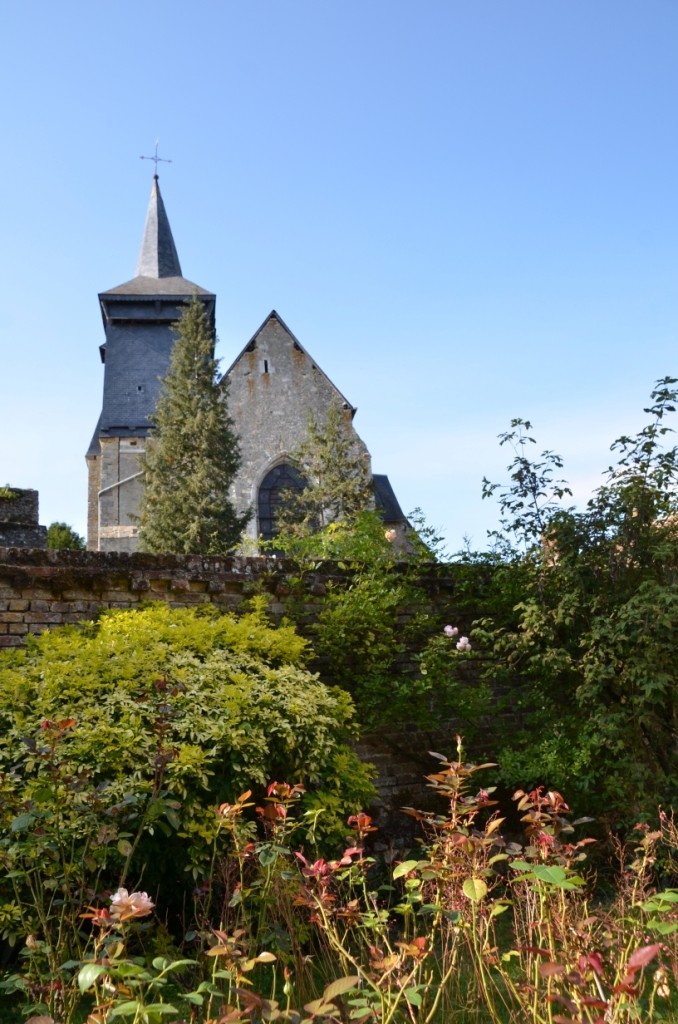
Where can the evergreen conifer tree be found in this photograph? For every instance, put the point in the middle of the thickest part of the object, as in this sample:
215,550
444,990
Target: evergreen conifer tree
337,471
193,453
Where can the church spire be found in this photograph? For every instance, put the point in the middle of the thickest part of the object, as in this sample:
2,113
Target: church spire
158,255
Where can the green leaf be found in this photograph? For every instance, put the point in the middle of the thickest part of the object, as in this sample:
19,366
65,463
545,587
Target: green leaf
173,818
267,856
520,865
89,974
22,822
124,847
126,1009
169,966
667,896
341,985
475,889
404,868
655,924
413,996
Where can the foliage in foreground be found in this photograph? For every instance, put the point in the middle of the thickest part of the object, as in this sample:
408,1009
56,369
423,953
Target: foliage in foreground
118,741
467,927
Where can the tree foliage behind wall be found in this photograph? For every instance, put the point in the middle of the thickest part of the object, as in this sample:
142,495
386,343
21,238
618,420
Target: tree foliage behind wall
336,468
62,537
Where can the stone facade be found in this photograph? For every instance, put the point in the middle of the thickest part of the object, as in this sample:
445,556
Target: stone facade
19,526
273,386
116,477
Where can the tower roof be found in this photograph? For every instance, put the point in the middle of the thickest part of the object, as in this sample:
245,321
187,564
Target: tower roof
158,269
158,254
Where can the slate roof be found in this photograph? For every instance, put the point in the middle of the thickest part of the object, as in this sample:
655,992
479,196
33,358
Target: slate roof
158,254
158,267
386,500
171,287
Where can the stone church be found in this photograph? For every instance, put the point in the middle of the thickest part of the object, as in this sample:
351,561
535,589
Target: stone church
273,386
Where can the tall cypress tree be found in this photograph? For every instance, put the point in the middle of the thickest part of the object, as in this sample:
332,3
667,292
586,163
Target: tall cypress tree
193,452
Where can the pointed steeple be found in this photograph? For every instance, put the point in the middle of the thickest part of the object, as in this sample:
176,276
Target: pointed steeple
158,255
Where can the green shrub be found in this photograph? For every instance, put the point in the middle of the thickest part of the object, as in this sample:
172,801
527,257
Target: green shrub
119,740
588,652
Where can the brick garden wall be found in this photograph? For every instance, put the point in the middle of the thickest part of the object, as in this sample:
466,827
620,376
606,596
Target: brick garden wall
40,589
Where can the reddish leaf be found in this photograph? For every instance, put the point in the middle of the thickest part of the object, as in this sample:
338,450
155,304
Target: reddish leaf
625,987
547,969
594,961
567,1002
642,956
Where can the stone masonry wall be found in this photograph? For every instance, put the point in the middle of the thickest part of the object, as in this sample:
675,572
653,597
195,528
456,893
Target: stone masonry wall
19,524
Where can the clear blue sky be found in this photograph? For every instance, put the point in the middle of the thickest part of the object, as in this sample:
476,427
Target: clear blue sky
466,212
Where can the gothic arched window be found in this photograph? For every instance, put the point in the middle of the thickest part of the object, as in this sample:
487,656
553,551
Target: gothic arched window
283,477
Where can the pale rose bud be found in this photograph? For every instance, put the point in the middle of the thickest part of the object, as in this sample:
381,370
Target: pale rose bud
463,644
450,631
390,535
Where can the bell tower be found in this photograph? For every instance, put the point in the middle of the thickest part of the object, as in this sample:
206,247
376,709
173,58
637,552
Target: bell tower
137,318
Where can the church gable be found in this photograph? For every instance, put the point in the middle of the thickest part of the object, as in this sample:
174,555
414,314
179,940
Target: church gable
274,352
273,387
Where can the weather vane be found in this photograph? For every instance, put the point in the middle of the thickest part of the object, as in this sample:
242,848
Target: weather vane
156,159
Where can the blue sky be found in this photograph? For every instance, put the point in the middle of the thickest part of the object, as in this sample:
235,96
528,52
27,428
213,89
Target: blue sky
466,212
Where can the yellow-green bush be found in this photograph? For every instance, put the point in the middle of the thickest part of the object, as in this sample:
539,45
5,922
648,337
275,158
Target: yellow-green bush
119,740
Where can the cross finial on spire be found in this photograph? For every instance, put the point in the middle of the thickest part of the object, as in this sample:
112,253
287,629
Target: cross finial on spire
156,159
